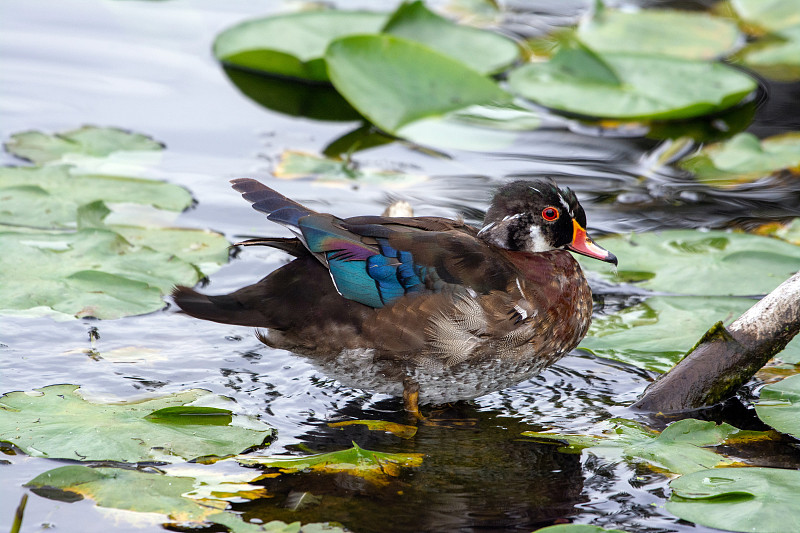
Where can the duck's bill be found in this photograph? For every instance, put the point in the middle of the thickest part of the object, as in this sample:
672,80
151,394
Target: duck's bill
584,245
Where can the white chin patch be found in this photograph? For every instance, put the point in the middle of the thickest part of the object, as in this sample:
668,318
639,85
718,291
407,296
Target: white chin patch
538,242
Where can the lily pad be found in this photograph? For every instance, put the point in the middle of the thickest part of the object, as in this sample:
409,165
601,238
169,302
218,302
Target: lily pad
680,448
60,191
577,528
146,492
483,51
629,86
744,159
656,333
758,500
769,15
779,405
58,423
683,34
293,44
39,147
394,82
294,164
376,467
687,262
777,56
400,430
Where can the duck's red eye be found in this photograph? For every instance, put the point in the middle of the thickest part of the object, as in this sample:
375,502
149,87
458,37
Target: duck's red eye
550,214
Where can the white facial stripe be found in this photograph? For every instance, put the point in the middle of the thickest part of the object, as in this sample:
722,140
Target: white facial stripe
538,242
512,217
487,227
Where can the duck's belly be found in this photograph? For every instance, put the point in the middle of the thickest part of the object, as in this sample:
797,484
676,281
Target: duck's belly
359,369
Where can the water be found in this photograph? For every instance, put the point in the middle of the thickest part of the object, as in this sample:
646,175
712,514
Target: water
147,66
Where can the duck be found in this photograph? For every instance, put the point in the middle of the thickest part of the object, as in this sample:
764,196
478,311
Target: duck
428,308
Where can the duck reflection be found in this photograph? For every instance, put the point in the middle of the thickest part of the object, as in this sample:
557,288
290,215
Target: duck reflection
424,307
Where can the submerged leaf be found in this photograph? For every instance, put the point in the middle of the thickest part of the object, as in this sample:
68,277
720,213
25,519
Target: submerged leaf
391,80
759,500
294,164
679,448
744,159
57,422
401,430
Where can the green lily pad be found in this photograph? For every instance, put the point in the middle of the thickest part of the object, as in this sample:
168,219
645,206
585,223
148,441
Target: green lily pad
629,86
394,82
777,57
687,262
769,15
294,164
577,528
293,44
376,467
744,159
779,405
483,51
58,423
683,34
147,492
655,334
680,448
758,500
39,147
68,190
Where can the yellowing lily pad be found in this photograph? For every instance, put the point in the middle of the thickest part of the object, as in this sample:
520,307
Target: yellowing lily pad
744,159
758,500
58,423
376,467
680,448
174,497
400,430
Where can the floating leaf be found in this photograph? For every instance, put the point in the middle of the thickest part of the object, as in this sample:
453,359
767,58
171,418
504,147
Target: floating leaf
39,147
92,272
394,82
779,405
744,159
293,97
146,492
401,430
576,528
679,448
758,500
375,467
777,56
58,423
294,164
483,51
60,192
293,44
684,34
649,86
770,15
688,262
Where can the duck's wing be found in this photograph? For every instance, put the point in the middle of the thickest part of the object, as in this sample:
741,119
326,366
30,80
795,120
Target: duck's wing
378,260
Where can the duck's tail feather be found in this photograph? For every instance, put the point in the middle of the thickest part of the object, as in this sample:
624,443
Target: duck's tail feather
278,208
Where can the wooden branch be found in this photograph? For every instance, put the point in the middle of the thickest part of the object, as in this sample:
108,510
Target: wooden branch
725,359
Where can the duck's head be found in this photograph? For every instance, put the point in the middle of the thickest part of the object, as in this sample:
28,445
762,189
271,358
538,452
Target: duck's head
538,216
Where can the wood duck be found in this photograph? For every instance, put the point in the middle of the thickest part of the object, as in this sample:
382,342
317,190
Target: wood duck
426,307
